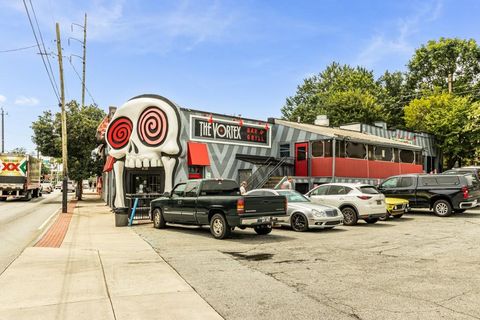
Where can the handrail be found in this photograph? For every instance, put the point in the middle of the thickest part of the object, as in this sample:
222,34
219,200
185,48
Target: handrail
277,166
277,186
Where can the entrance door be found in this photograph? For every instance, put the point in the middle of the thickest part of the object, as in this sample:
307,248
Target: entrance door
301,159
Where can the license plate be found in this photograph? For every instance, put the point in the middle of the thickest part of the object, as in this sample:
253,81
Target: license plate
263,219
379,201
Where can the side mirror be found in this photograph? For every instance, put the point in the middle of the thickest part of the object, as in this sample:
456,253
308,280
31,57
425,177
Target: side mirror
166,194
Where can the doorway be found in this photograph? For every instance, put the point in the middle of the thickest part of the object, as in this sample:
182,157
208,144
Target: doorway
301,159
151,180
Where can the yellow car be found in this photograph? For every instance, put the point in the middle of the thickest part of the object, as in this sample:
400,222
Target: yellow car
395,207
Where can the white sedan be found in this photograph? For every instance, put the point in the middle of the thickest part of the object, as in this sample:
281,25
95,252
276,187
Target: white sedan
355,200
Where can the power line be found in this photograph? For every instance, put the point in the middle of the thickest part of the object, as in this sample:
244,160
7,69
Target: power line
80,78
43,43
55,89
18,49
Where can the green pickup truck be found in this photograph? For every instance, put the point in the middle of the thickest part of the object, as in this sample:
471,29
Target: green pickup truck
217,203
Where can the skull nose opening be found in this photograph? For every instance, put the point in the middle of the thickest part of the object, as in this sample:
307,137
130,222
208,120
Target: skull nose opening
132,147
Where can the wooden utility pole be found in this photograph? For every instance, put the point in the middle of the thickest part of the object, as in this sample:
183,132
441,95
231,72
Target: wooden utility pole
3,131
450,80
84,58
64,123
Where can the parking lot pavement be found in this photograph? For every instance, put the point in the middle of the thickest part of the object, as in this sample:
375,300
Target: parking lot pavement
417,267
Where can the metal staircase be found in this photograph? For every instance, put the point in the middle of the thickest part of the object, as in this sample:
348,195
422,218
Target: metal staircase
271,169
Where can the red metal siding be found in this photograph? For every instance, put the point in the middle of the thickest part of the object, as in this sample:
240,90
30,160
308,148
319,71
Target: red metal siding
360,168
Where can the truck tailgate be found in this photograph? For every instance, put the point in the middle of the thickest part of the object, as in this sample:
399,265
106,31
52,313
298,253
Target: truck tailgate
265,206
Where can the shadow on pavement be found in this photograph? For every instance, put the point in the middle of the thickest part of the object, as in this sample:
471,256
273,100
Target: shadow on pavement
244,236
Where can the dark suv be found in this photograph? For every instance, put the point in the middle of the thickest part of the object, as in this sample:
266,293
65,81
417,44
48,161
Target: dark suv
444,194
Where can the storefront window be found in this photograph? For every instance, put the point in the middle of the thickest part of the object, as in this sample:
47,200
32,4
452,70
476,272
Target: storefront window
328,148
340,149
407,156
356,150
147,183
301,153
396,155
285,150
317,149
383,153
418,157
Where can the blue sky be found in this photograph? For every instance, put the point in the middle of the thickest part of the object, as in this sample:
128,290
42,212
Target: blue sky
234,57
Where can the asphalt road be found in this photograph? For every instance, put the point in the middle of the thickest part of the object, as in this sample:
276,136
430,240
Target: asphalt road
417,267
22,222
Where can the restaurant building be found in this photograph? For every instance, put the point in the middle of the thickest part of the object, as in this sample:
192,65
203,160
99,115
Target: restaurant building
152,144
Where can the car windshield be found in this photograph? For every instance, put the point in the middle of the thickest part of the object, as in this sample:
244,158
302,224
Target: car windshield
293,196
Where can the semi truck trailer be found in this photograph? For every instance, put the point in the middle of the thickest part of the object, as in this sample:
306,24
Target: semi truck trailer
19,177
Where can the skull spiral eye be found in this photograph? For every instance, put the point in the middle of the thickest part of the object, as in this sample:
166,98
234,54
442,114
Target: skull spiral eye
119,132
152,126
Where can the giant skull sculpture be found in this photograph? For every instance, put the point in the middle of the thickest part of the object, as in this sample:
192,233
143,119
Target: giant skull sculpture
144,132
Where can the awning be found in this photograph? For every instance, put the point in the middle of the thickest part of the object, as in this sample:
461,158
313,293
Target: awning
109,164
197,154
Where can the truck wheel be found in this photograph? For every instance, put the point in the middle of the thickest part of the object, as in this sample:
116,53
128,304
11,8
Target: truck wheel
219,226
263,229
28,196
442,208
371,220
158,220
299,222
349,216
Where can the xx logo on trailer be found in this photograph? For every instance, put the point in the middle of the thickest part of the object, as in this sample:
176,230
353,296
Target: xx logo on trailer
14,167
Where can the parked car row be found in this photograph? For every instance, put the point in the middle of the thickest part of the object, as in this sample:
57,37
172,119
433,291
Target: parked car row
218,203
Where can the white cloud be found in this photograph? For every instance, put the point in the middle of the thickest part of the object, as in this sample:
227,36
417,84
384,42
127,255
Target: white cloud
382,46
2,98
26,101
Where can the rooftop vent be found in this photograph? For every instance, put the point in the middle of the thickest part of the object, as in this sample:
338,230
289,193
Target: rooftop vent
322,120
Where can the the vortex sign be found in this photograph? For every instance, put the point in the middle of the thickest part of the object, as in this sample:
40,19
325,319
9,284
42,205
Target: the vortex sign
229,132
119,132
152,127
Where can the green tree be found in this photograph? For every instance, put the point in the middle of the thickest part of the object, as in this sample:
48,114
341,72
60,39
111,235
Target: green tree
82,123
447,117
433,63
394,97
345,94
45,170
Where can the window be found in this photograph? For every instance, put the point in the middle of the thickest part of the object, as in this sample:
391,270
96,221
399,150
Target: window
369,190
301,153
406,182
338,190
178,191
356,150
284,150
317,149
191,189
418,157
440,180
340,149
328,148
220,188
390,183
407,156
396,155
320,191
383,153
293,196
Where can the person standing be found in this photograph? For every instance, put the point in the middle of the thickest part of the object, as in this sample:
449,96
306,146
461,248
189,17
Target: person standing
288,184
243,187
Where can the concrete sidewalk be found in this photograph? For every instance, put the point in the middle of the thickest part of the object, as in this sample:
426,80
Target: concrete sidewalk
99,272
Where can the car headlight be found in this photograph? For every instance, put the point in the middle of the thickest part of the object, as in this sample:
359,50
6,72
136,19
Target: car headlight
318,214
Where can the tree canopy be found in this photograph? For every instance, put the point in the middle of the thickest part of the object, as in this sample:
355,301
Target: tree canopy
352,94
433,63
340,92
82,123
